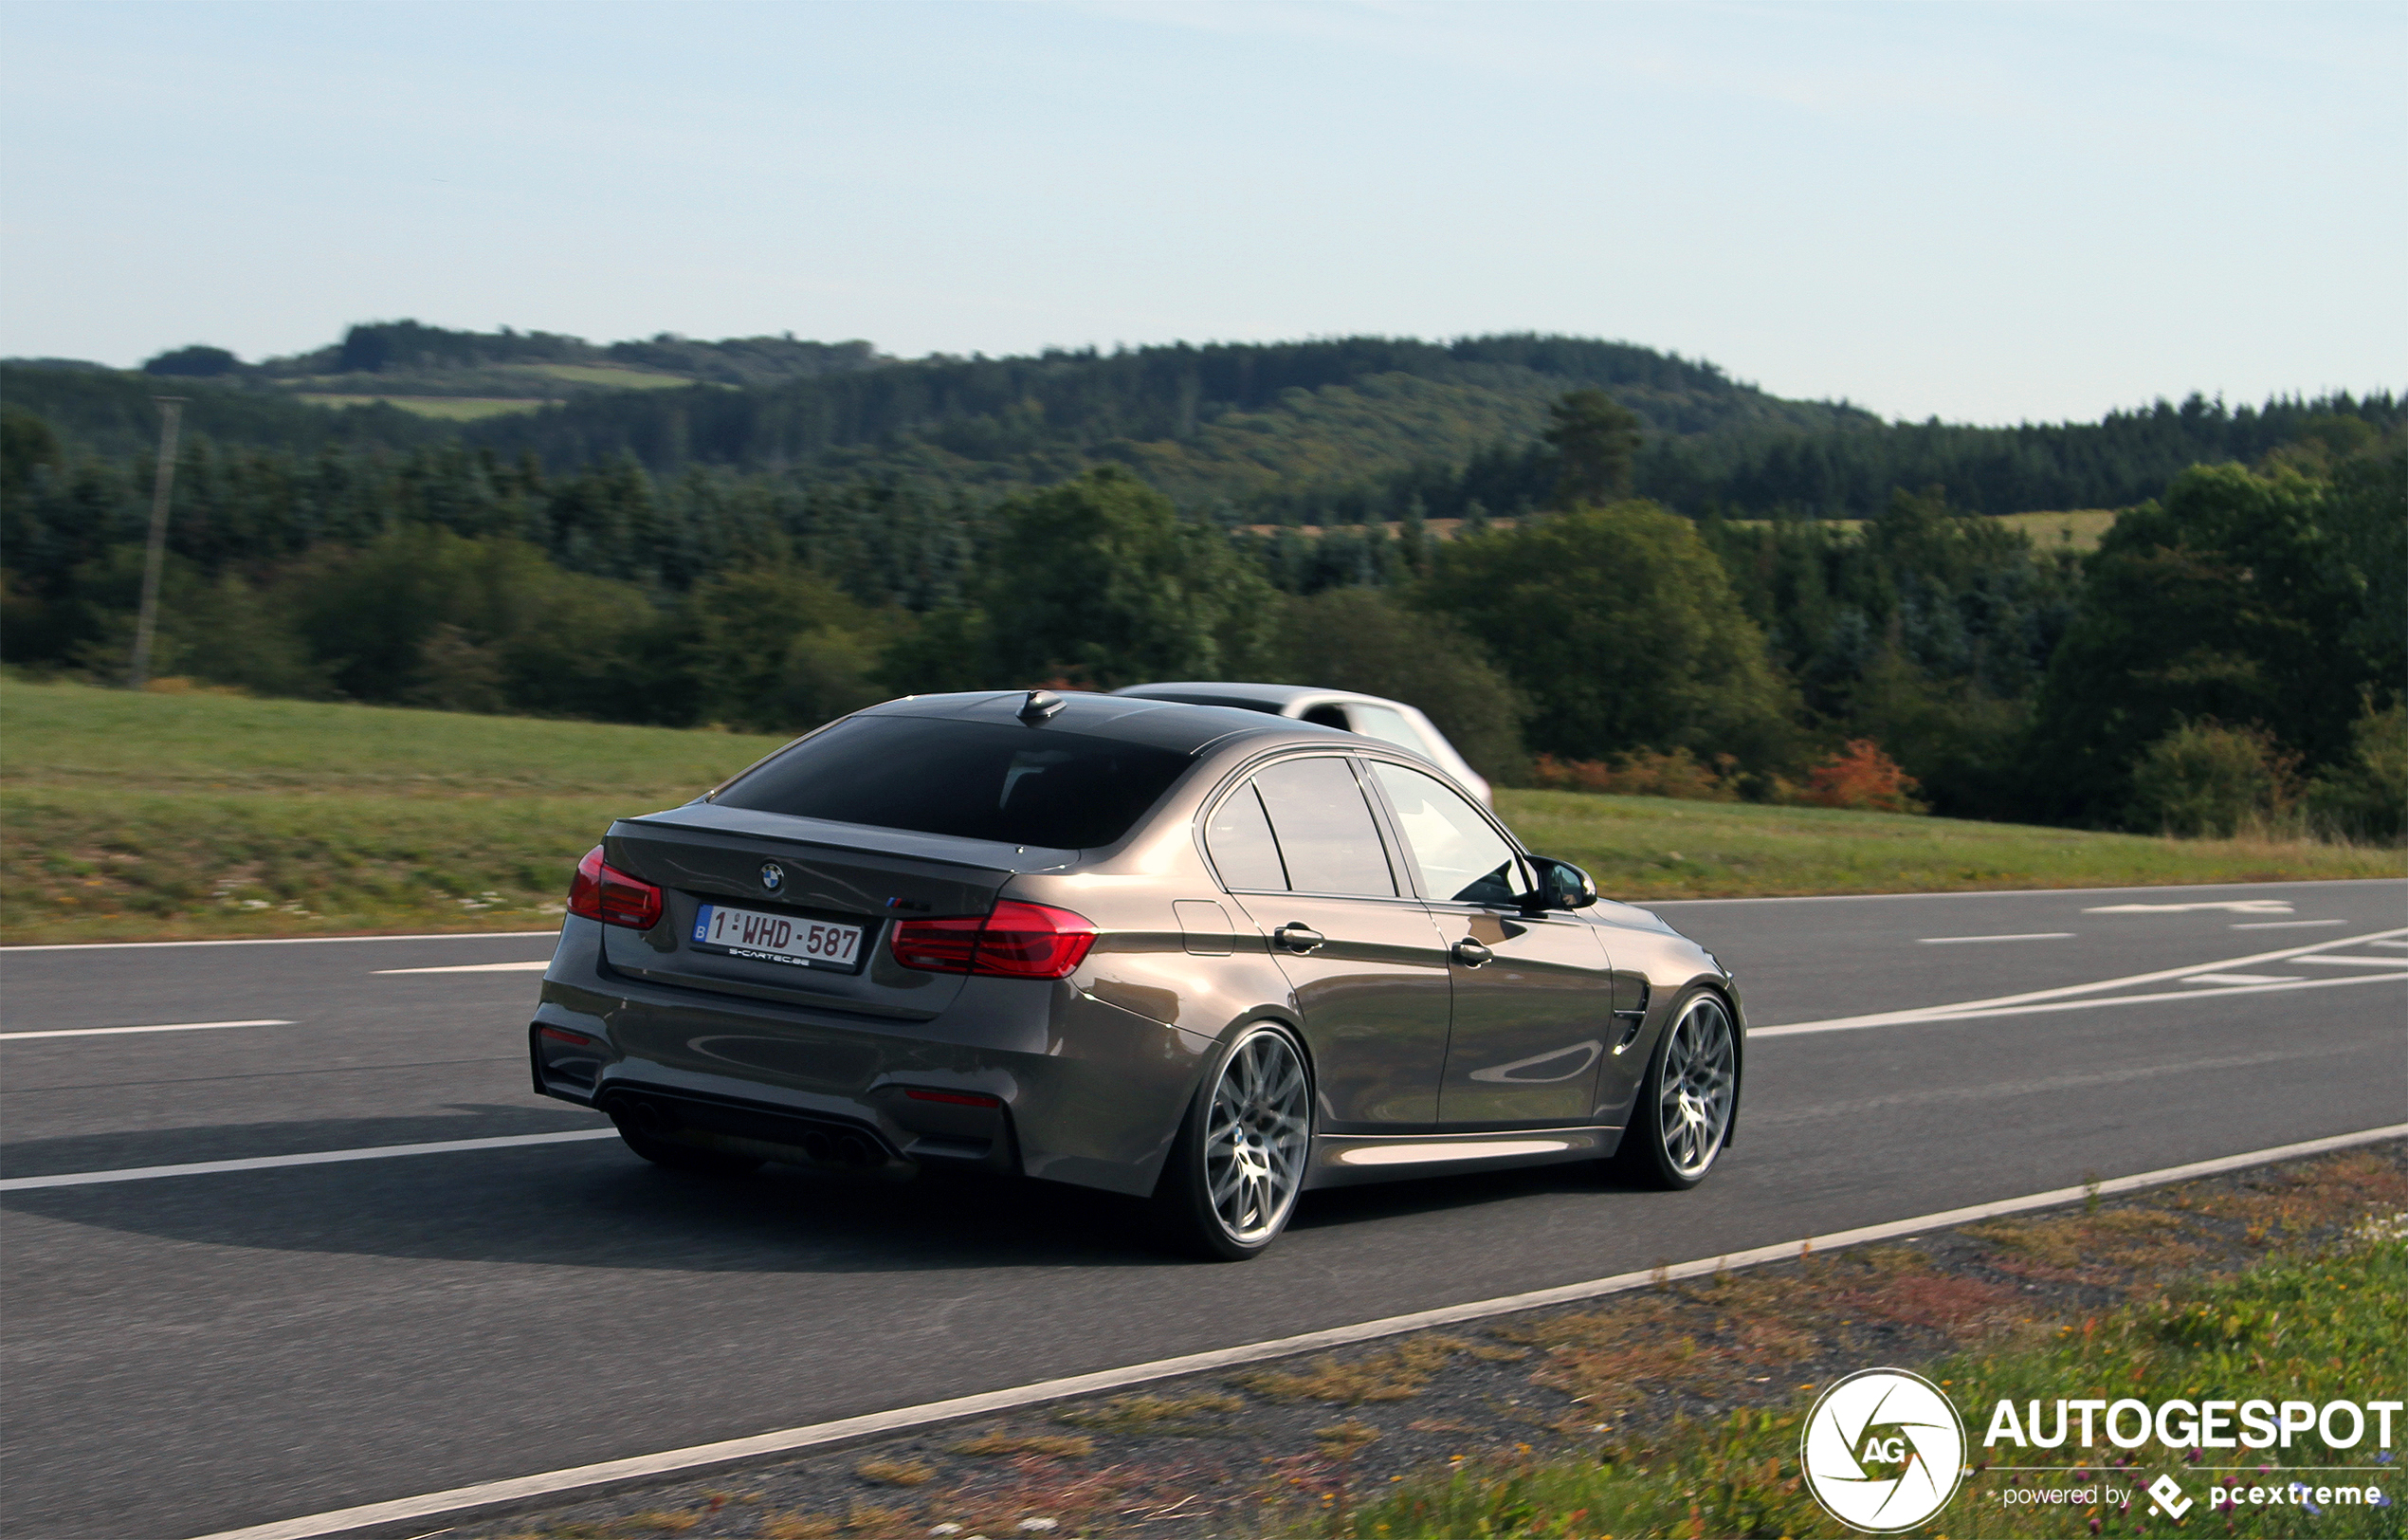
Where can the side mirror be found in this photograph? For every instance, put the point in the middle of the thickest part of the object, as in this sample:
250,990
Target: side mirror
1563,886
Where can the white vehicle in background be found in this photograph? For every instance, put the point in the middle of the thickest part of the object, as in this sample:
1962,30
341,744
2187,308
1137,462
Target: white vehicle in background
1391,722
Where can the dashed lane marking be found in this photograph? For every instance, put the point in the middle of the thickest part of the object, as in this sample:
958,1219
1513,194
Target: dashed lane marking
165,1026
536,967
322,1157
2037,935
274,940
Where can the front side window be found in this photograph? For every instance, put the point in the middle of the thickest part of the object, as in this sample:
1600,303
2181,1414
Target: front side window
1014,784
1464,860
1326,836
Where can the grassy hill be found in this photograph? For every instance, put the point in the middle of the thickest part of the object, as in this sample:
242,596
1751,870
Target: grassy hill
184,816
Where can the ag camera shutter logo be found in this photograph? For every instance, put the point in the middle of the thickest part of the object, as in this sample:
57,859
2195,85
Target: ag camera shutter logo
1884,1450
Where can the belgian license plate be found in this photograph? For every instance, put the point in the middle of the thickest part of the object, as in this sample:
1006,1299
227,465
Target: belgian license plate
778,938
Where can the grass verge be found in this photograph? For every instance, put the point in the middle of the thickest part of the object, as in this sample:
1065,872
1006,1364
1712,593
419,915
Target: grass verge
199,815
166,817
1643,847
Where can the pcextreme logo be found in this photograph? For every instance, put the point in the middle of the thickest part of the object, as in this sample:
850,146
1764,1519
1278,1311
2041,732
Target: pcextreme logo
1884,1450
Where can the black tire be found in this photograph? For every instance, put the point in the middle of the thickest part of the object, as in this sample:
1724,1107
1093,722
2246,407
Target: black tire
674,1156
1677,1131
1206,1204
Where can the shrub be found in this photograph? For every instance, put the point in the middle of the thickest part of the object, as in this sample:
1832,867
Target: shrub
2206,779
2367,795
1859,775
1645,773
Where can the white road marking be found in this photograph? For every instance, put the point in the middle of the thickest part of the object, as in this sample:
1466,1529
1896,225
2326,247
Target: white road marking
2027,892
536,967
1943,1014
2239,906
2244,978
2290,924
462,1501
2358,962
1952,941
112,1032
322,1157
1990,1006
2403,945
272,941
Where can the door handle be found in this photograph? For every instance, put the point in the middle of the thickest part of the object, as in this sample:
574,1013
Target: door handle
1297,938
1471,953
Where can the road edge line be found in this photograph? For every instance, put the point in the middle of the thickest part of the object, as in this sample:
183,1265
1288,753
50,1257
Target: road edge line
496,1497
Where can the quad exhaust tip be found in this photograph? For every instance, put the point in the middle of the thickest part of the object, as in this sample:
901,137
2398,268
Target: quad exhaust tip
651,1118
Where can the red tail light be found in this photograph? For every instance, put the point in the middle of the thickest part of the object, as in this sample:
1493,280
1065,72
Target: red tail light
605,894
1017,940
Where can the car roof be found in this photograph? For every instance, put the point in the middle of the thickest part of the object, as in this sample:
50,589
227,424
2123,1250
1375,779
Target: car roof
1178,725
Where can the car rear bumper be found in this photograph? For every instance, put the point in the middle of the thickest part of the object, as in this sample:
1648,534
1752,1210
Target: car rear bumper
1082,1091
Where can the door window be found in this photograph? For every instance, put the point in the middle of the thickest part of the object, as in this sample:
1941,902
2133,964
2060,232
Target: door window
1326,836
1464,860
1239,837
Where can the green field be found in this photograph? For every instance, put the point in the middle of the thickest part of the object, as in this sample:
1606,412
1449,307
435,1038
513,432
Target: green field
2074,529
613,376
130,816
448,408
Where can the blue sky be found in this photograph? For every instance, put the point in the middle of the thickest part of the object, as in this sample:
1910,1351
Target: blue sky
1982,212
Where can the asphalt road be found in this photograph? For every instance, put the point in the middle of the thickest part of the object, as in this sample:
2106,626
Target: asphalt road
199,1352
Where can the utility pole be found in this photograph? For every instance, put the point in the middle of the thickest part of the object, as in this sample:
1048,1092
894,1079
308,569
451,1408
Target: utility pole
170,412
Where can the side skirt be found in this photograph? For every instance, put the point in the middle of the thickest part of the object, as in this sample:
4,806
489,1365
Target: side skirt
1343,1158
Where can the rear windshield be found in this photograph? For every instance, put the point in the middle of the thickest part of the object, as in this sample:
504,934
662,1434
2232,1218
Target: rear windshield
976,780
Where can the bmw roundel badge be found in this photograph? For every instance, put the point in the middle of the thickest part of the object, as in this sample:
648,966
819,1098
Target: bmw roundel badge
773,875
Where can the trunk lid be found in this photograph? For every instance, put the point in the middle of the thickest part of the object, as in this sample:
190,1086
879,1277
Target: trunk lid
829,874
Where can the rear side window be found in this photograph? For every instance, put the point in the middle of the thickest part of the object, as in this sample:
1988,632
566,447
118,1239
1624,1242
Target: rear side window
1326,836
974,780
1239,837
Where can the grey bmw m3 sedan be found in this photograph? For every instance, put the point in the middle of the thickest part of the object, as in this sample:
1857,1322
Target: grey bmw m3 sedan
1190,952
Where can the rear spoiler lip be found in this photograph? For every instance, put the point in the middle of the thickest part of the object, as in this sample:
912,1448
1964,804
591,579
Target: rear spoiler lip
855,839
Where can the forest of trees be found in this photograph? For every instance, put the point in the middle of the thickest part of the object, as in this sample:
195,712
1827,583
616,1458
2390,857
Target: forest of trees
2244,628
1340,430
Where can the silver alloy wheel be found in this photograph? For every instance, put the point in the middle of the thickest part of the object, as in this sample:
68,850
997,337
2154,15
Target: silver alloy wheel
1694,1108
1255,1137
